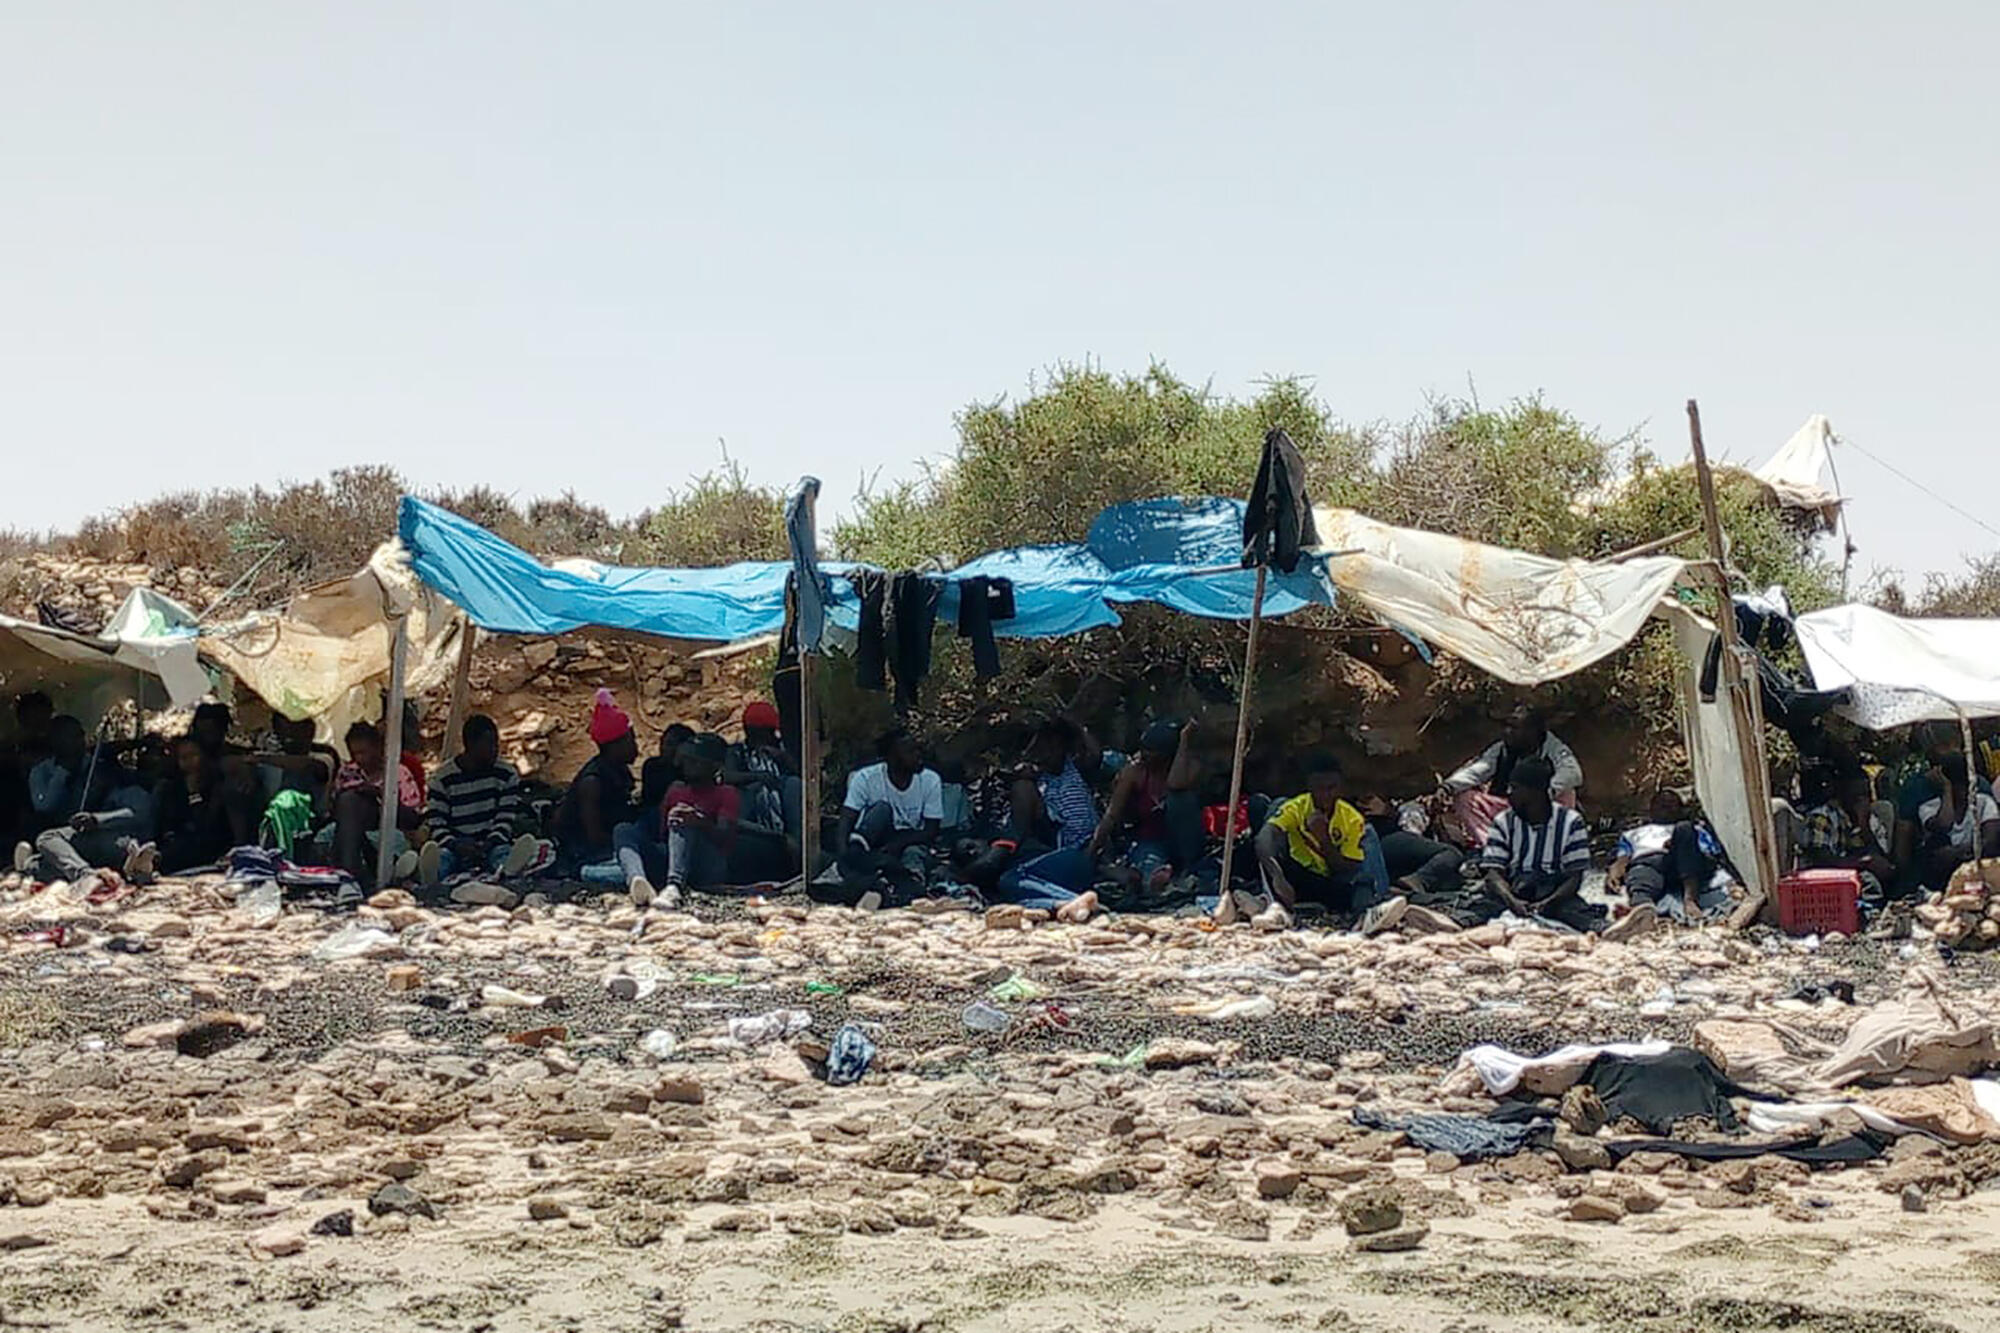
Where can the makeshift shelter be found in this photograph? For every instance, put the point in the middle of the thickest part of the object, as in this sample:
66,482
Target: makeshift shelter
146,654
1903,671
1530,619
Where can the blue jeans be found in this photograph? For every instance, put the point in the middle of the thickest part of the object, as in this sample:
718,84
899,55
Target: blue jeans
641,855
695,860
1048,881
496,857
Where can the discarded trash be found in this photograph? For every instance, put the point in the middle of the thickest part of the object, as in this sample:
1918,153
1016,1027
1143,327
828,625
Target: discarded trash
660,1044
264,902
983,1017
605,872
503,997
824,988
716,979
768,1027
56,935
1015,989
351,941
638,979
129,944
536,1038
849,1057
1132,1059
1220,1011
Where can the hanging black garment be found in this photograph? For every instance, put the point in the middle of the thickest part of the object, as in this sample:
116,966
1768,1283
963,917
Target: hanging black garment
871,650
1277,520
786,678
981,601
913,602
1658,1090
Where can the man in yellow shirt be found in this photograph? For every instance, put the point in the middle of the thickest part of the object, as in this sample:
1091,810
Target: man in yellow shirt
1316,847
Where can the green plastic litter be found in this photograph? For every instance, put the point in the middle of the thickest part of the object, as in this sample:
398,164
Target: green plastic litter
824,988
1016,989
1132,1059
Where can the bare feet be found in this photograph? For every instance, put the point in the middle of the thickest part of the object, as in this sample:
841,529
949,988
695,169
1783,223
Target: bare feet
1078,909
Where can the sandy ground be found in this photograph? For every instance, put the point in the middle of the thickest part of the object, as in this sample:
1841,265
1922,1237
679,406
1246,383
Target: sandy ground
200,1135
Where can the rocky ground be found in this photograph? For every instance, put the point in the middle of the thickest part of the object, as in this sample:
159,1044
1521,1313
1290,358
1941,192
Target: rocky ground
212,1121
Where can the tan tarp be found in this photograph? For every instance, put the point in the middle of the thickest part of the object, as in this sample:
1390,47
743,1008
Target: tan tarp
325,656
1919,1037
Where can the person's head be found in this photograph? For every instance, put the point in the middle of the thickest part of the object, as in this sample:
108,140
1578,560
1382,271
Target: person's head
672,739
211,726
1528,791
295,735
67,741
1956,773
479,741
760,723
701,759
1159,742
898,749
611,728
364,747
33,712
1053,745
1938,740
1667,807
190,760
1325,780
1526,729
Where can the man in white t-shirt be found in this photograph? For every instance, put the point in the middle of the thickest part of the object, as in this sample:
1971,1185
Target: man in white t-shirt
889,821
1946,824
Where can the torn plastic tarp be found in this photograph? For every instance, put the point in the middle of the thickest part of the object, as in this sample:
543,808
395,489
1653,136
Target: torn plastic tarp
1525,618
1903,671
1180,553
147,653
1794,472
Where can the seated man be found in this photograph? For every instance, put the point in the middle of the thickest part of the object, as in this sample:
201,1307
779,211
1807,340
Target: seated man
1053,820
1948,824
600,797
888,824
1536,854
91,814
34,712
1154,796
475,812
191,819
1670,864
1317,848
296,762
1921,780
1480,790
231,763
762,770
700,821
1846,832
663,770
358,793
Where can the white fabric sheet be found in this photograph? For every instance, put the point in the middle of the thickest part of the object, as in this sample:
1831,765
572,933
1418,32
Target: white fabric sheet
1524,618
146,653
1501,1070
1903,671
1716,745
1794,472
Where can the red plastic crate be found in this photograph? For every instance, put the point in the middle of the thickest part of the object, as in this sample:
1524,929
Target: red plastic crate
1818,902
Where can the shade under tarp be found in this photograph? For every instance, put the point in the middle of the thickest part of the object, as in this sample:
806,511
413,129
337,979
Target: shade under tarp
1903,671
146,654
1525,618
1179,553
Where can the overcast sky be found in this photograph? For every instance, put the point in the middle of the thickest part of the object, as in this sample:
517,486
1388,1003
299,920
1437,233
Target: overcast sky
574,246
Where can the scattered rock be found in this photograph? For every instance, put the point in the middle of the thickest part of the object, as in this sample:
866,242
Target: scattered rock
279,1240
213,1032
335,1224
741,1220
1369,1211
1914,1200
578,1128
1581,1154
1279,1180
1596,1208
679,1089
22,1240
404,977
547,1210
395,1199
1392,1242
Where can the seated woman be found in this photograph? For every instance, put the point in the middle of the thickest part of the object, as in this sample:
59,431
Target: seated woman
358,793
1479,790
1154,797
1846,831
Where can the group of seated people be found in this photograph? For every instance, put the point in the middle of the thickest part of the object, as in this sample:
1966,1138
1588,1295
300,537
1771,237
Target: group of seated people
1064,826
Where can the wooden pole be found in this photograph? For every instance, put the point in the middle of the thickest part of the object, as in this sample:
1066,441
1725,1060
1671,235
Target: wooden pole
1971,782
1225,909
1744,699
392,752
461,688
809,764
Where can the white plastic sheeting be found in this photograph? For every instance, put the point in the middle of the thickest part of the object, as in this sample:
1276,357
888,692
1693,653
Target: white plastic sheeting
1525,618
326,655
1794,472
1903,671
147,653
1717,742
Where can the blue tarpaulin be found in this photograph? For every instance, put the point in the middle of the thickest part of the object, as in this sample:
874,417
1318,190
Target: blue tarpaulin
1167,551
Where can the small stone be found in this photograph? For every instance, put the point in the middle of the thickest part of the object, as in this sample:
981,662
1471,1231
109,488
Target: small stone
1583,1110
402,1168
745,1220
213,1032
235,1192
34,1194
1278,1180
335,1224
1177,1053
1441,1163
401,1201
680,1089
1393,1242
577,1128
404,977
1640,1198
181,1172
153,1034
1368,1211
1596,1208
1581,1154
204,1137
278,1240
173,928
547,1210
22,1240
1914,1200
486,895
1741,1177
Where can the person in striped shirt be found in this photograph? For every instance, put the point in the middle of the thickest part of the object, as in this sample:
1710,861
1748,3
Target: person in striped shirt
1536,853
475,812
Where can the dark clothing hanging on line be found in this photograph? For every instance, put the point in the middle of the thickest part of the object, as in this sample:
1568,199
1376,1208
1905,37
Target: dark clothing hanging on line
871,649
786,678
981,601
1277,520
913,602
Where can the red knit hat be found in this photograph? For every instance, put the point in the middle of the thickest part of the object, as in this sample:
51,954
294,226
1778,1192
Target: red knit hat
608,722
759,714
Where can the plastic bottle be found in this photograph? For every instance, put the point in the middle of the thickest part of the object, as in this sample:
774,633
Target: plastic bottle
980,1016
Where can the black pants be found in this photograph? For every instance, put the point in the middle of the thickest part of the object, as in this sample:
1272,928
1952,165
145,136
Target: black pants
1433,865
1335,892
1532,889
1672,873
